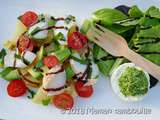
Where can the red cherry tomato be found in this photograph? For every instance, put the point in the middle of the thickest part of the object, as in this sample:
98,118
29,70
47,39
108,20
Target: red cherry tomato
83,91
24,43
16,88
77,40
63,101
50,61
29,18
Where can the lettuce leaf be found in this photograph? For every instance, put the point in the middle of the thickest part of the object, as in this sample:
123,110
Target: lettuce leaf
105,66
98,52
108,16
148,22
151,47
153,32
155,58
135,12
153,12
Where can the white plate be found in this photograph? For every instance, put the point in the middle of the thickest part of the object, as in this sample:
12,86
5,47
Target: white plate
103,98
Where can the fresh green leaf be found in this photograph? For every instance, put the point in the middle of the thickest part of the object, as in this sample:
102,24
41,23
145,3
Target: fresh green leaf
108,16
153,32
119,28
130,22
148,22
85,26
141,41
152,47
98,52
105,66
46,102
153,12
155,58
135,12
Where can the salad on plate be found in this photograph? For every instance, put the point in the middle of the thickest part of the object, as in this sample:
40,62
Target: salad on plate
51,60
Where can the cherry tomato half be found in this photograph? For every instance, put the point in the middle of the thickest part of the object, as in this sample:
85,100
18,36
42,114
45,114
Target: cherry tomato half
50,61
77,40
83,91
16,88
29,18
24,43
63,101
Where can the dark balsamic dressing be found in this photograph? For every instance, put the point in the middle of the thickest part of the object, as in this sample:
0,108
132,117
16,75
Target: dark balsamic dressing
55,89
59,71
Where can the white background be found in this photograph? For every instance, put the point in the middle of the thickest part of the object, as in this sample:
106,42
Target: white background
103,98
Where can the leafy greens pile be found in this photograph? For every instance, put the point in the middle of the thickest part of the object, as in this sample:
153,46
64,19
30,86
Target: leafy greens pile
140,29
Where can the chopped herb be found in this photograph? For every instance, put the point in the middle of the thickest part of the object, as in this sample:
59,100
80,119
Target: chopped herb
51,23
69,19
2,55
32,93
41,18
60,36
46,102
133,82
52,18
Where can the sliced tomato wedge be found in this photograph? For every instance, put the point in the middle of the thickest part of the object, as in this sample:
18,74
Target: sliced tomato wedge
63,101
29,18
24,43
82,90
16,88
77,40
50,61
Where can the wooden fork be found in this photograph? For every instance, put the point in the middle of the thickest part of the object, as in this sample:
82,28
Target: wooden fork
116,45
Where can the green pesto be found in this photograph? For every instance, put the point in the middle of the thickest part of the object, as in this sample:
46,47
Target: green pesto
133,82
